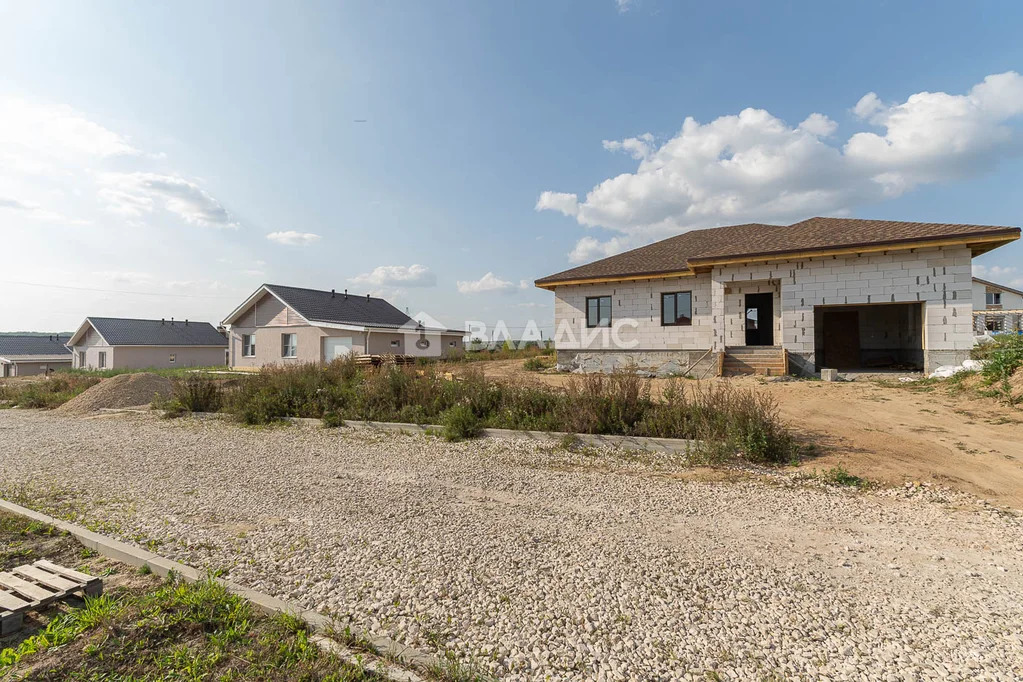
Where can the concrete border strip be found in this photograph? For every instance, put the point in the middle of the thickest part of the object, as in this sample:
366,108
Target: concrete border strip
642,443
386,647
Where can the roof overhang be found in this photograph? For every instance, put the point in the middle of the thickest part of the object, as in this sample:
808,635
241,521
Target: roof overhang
15,359
540,284
81,332
978,244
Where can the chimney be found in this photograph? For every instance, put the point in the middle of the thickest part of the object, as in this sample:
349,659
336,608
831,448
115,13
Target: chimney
346,294
51,337
367,297
186,321
172,321
332,293
163,321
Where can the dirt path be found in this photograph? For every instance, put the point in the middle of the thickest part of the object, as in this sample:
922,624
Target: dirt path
885,434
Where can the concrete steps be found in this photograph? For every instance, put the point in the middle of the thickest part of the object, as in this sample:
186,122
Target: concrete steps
766,360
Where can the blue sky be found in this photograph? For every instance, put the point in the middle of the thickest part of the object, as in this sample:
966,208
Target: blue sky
153,147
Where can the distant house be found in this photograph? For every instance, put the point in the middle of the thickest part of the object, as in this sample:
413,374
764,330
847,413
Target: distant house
1000,304
122,343
27,355
282,325
835,293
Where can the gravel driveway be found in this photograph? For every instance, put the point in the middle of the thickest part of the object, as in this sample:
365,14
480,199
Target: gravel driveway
542,564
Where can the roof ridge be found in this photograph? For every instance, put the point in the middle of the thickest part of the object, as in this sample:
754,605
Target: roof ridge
323,291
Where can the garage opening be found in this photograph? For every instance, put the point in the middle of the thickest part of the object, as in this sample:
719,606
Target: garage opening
878,336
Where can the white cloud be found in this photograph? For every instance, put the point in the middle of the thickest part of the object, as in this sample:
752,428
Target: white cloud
558,201
397,276
623,5
35,211
34,135
488,283
293,238
1004,275
637,147
135,194
754,167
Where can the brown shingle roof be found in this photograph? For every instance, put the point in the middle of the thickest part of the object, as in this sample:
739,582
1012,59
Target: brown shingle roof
691,249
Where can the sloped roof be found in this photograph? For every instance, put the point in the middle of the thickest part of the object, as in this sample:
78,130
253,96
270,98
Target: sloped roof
120,331
982,281
338,308
685,251
16,347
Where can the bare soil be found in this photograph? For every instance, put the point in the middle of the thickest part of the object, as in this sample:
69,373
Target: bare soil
888,434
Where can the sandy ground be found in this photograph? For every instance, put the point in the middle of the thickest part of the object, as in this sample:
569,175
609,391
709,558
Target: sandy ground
885,434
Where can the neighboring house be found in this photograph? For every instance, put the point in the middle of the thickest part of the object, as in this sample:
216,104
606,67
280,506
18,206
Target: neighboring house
121,343
995,298
281,325
825,292
27,355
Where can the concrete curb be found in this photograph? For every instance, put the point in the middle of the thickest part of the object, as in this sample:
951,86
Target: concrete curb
641,443
161,566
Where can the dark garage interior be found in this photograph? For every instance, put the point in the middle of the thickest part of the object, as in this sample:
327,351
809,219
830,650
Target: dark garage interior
878,336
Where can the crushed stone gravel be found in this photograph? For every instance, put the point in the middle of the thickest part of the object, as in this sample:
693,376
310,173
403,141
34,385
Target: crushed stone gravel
122,390
535,563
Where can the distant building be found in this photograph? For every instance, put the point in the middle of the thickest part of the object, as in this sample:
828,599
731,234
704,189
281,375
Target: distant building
123,343
27,355
283,325
1000,305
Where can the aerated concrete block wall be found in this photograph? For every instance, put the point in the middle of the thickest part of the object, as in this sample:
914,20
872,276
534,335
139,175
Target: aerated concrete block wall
640,301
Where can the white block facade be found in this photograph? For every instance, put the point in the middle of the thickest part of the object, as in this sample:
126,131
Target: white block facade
937,278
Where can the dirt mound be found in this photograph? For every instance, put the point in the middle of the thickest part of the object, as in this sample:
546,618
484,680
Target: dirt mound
123,390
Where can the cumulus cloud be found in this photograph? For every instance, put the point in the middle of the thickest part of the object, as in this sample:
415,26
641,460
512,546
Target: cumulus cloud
293,238
489,283
397,276
1004,275
754,167
558,201
35,134
134,194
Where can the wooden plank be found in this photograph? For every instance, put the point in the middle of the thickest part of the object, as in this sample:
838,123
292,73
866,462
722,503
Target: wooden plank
66,572
39,595
47,579
93,584
8,602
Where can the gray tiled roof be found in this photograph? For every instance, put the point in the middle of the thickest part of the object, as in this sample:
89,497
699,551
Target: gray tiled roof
46,346
337,308
681,253
120,331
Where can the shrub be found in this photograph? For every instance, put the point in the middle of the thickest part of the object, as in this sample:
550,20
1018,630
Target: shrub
198,393
46,393
1004,358
460,422
538,363
729,421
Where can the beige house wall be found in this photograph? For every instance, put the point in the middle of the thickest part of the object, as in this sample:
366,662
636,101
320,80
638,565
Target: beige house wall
92,344
269,343
27,369
159,357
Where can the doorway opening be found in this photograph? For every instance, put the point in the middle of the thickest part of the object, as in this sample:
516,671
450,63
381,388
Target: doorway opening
759,319
873,336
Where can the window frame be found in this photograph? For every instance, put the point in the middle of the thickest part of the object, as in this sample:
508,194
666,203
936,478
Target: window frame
676,323
249,349
993,297
610,307
101,360
285,346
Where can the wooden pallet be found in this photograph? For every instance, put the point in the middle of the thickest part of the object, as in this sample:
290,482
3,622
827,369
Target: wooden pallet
30,587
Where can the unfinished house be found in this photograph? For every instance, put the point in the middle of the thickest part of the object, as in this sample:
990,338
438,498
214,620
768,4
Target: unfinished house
996,308
22,356
124,343
834,293
281,325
